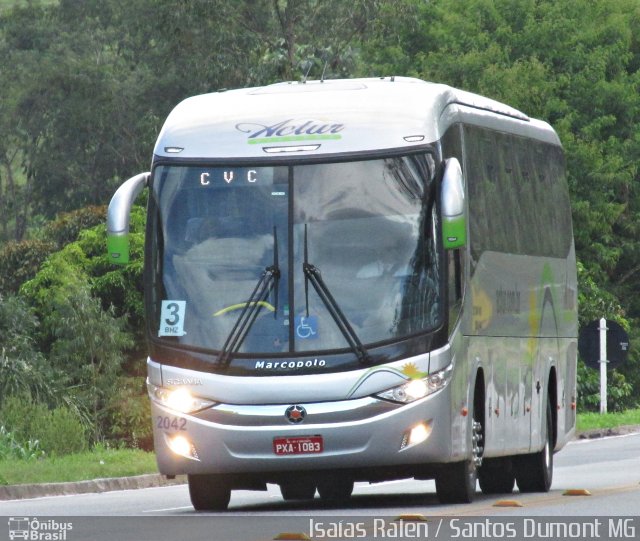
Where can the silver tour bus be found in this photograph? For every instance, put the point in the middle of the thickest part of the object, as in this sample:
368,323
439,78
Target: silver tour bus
356,280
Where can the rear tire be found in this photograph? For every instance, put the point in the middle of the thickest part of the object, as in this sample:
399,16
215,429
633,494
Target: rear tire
297,491
496,476
534,472
209,492
335,489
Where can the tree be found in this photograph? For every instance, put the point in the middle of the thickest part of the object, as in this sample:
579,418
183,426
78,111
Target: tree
89,345
89,313
575,64
23,371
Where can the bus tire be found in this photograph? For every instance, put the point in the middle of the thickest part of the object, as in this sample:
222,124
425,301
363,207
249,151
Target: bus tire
534,472
496,476
456,482
335,489
297,491
209,492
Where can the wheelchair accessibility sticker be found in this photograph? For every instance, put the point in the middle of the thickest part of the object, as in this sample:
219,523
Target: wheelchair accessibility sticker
306,327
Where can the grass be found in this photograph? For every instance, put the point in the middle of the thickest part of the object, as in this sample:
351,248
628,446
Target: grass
95,464
8,4
590,421
102,462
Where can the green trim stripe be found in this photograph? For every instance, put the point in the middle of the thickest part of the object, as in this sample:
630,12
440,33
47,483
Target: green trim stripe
294,138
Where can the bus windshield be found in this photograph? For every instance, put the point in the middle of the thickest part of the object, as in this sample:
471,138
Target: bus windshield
232,245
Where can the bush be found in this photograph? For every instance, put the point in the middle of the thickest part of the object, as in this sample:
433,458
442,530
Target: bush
10,448
23,369
20,261
56,431
619,391
132,414
67,226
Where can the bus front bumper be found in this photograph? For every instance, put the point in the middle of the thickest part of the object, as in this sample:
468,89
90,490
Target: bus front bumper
367,432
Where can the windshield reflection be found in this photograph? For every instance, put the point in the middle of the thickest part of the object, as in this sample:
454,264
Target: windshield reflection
371,232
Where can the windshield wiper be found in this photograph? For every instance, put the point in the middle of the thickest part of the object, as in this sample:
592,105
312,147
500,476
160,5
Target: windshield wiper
269,280
312,274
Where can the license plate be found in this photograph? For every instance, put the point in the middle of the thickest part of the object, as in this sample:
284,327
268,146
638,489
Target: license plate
306,445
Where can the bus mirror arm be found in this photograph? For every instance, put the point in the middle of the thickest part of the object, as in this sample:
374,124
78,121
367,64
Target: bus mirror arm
118,216
454,214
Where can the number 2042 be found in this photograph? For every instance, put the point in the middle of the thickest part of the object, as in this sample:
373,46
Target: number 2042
171,423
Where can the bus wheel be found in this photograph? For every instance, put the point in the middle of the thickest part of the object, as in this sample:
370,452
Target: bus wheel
209,492
534,472
496,476
335,489
297,491
456,482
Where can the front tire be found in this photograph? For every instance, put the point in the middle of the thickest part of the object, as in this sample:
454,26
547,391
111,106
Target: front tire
534,472
209,492
456,482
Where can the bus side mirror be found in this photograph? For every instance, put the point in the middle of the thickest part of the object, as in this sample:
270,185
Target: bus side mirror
454,217
118,217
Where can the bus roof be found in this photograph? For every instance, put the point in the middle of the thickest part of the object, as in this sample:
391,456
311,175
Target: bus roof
322,117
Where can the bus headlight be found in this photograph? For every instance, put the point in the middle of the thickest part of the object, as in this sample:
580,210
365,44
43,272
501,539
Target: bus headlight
180,399
418,388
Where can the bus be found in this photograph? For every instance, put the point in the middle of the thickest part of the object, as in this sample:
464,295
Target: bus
356,281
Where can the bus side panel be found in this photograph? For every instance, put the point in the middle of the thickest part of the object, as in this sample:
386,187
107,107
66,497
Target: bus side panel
520,306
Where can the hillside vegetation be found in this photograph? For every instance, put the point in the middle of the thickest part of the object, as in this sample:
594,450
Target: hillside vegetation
86,85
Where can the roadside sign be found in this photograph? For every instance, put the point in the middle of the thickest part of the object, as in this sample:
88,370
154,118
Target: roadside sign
617,344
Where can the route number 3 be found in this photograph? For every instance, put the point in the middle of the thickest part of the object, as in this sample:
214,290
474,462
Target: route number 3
172,318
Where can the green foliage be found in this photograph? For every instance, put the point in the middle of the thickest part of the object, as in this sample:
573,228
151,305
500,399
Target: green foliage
85,261
12,449
38,429
619,392
81,334
575,64
90,83
132,414
20,261
23,369
89,344
591,421
67,225
98,462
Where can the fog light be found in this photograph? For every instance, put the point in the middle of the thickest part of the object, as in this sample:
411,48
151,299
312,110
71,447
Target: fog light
419,433
416,435
180,445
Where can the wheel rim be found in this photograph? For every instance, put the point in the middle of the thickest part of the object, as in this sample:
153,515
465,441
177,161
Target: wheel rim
476,440
476,453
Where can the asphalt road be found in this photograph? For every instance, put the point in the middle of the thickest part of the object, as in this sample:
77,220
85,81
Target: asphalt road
608,468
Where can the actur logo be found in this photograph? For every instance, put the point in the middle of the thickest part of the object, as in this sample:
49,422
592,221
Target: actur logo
291,130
